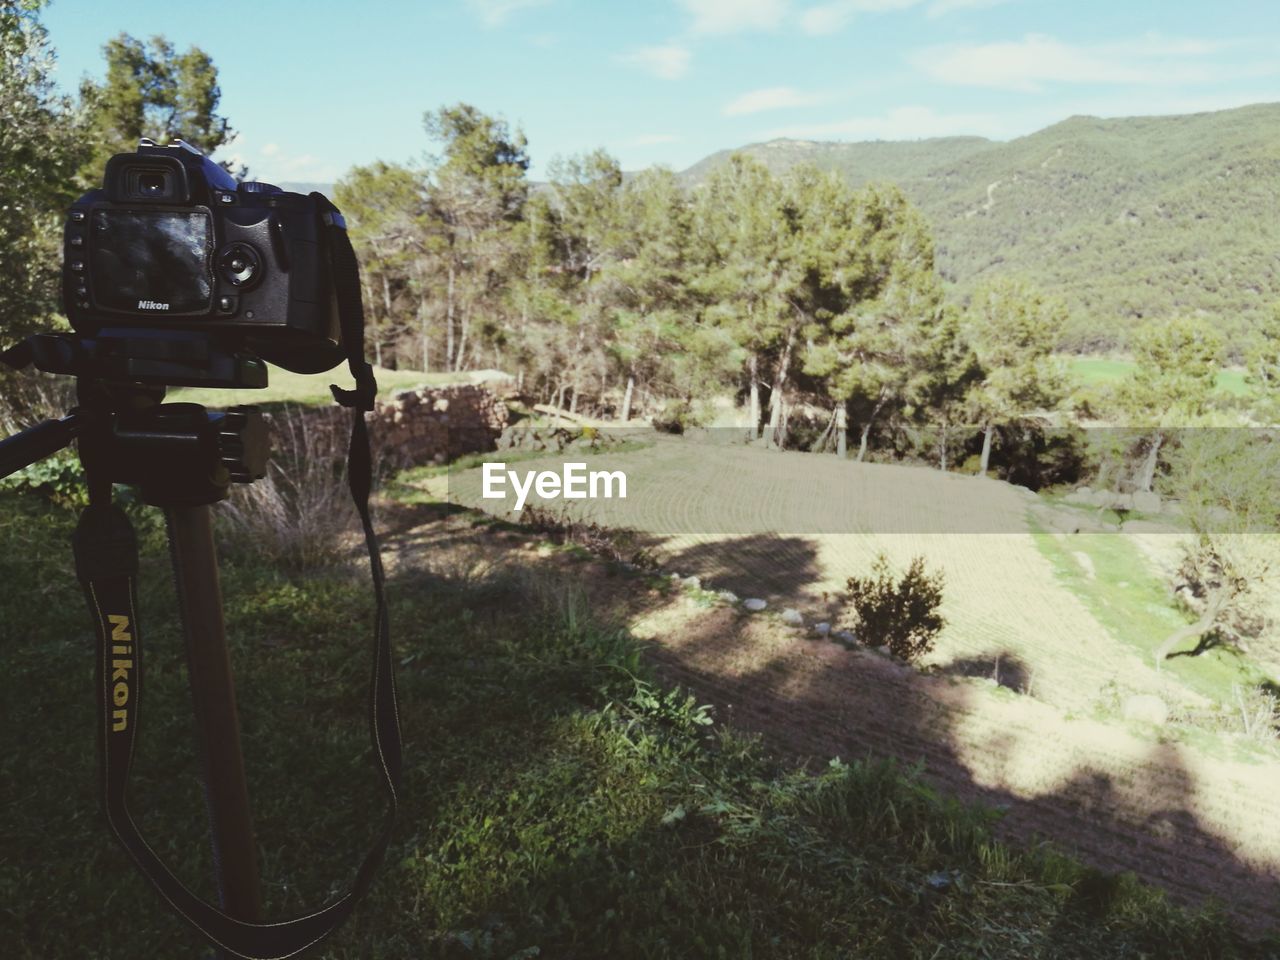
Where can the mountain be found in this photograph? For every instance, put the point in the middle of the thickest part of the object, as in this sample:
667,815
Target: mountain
1126,219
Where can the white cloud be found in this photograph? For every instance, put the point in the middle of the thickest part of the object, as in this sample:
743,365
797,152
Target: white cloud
494,13
940,8
1036,60
271,149
667,62
653,139
901,123
731,16
834,16
770,98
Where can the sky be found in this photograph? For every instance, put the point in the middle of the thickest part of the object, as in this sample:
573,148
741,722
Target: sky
315,86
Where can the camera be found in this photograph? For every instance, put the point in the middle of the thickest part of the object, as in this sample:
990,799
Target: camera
171,264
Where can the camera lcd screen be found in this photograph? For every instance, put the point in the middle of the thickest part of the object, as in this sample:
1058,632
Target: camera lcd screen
151,261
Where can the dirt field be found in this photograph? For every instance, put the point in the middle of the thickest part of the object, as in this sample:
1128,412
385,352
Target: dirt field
1003,715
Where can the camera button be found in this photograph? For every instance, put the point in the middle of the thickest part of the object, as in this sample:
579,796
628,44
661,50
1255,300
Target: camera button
77,216
76,240
77,265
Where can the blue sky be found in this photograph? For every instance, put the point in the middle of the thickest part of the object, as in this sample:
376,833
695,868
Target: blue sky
315,87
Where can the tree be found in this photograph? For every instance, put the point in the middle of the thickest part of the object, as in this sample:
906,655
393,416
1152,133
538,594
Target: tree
586,196
477,190
389,221
740,270
151,90
872,299
1013,329
1225,482
657,330
1172,383
41,146
947,370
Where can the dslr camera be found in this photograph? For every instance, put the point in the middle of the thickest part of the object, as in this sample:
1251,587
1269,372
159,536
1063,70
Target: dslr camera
175,274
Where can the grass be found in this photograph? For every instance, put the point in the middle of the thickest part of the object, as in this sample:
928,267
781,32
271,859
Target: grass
557,802
284,386
1136,608
1097,371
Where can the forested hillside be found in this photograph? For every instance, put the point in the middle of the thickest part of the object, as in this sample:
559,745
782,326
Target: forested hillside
1126,219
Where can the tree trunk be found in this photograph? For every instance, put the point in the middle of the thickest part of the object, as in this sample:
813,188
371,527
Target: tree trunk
842,431
573,402
626,397
448,320
1194,631
1152,462
942,460
986,448
864,440
462,338
559,405
377,352
775,392
424,334
754,414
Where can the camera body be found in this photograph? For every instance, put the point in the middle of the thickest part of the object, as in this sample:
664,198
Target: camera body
172,258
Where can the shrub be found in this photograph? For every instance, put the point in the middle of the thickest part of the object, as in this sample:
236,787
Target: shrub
59,478
899,613
676,416
300,514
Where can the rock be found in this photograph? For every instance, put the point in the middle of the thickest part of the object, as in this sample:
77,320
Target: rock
755,604
693,583
844,636
793,617
1082,497
728,596
1146,708
1146,501
822,629
1111,500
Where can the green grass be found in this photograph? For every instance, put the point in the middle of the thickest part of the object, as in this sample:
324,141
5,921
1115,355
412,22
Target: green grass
1099,371
1136,607
311,389
557,802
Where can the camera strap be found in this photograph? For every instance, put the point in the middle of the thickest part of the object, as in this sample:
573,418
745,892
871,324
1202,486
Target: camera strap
106,553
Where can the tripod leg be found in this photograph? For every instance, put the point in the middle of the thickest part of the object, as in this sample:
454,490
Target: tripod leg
217,724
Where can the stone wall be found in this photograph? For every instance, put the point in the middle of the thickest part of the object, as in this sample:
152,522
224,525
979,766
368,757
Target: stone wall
435,424
412,427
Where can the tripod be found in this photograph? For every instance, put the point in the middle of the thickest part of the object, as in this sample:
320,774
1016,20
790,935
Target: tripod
183,459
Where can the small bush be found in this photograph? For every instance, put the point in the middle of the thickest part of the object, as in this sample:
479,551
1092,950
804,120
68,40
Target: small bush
899,613
299,515
59,478
676,416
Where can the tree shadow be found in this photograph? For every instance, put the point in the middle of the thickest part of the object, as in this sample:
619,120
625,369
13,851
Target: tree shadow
752,565
1004,668
811,700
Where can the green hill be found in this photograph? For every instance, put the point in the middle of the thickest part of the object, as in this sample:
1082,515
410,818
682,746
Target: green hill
1125,218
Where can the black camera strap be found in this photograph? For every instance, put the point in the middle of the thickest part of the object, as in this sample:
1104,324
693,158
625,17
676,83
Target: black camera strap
106,554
